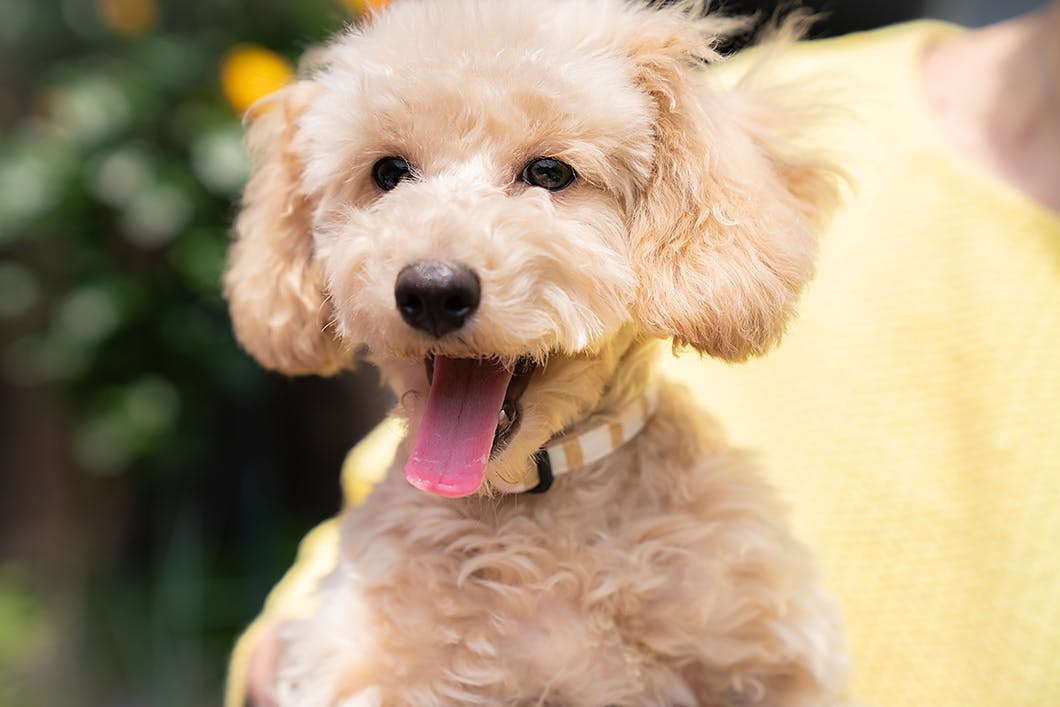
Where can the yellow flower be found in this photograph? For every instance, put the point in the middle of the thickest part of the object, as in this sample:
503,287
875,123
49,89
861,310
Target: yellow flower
250,72
360,7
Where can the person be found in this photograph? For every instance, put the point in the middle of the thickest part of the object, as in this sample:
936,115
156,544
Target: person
911,416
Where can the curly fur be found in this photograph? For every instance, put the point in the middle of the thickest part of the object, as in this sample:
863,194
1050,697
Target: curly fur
661,575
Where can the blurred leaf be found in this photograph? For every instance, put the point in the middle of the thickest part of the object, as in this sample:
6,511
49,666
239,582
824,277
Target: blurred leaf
157,214
88,315
124,423
21,614
165,63
24,633
43,358
198,256
16,19
220,160
116,177
34,174
89,107
19,289
152,404
82,18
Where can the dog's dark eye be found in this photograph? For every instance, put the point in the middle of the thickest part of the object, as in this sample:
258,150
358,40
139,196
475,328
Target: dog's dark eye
548,173
389,171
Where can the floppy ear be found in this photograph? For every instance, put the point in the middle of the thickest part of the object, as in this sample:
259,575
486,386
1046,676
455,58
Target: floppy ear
724,237
273,283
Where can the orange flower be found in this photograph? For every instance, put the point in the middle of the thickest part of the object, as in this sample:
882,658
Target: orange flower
250,72
129,18
361,7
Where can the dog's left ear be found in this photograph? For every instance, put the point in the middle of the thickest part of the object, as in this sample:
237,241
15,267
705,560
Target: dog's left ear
724,237
273,282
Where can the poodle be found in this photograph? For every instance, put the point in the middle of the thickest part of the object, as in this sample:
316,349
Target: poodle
506,206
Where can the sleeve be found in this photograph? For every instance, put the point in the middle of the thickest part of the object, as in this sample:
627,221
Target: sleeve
293,597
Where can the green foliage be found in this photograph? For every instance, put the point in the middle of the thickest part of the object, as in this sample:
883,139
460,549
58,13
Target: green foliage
120,162
23,632
116,191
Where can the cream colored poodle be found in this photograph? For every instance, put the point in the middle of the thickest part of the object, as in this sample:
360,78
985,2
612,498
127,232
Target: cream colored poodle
504,205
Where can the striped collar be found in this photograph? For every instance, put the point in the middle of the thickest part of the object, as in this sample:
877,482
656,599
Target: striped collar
569,453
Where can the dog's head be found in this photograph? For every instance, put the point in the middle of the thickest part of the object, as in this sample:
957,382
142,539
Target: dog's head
512,193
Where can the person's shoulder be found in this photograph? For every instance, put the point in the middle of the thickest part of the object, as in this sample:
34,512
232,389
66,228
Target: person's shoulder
862,86
859,54
907,38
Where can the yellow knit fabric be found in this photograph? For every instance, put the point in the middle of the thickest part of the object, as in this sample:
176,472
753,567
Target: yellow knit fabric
911,417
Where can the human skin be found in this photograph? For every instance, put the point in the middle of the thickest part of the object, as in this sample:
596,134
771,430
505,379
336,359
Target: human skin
995,93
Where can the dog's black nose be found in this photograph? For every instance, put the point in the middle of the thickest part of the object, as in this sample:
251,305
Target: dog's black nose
435,296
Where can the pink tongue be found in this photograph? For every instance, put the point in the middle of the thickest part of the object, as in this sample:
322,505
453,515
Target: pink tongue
452,447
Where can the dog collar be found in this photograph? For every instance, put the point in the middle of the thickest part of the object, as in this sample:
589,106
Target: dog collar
569,453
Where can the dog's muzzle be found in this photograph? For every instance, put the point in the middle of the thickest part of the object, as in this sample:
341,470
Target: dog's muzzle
436,297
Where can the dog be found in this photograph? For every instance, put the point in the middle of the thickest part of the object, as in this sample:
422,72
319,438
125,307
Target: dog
506,206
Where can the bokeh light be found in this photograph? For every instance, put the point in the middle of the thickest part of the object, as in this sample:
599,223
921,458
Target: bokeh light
128,17
250,72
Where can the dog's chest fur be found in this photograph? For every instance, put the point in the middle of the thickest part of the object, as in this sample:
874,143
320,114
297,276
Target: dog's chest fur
605,590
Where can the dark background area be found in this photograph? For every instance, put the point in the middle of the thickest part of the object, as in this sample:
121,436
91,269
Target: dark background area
154,482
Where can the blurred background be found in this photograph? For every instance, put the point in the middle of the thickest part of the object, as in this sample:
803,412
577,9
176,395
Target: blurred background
154,482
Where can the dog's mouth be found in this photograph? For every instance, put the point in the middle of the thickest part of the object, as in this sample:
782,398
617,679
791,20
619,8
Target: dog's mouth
472,412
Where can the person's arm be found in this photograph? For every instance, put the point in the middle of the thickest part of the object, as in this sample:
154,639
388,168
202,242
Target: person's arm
995,93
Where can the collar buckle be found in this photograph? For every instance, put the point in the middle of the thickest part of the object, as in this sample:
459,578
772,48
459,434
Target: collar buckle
544,472
566,454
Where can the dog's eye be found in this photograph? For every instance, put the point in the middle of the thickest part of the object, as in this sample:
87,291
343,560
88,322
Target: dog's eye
389,171
548,173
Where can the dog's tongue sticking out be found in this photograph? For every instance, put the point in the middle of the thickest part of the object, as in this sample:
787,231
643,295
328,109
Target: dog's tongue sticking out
452,447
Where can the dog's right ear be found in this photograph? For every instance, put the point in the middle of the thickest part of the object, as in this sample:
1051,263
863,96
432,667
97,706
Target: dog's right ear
724,237
273,283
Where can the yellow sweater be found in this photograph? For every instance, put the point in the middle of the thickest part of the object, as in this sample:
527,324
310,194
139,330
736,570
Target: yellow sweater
911,418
